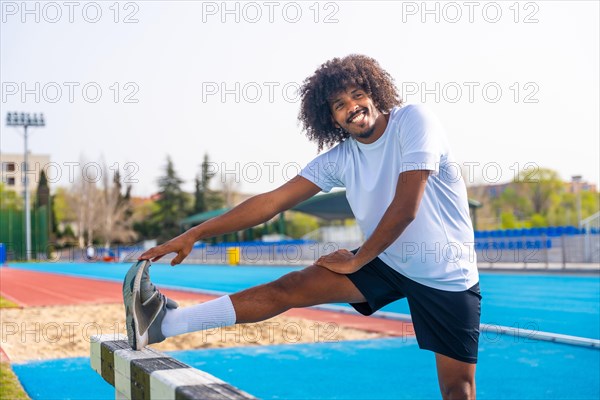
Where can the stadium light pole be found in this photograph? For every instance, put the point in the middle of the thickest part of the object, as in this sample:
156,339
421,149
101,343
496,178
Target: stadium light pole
577,186
26,120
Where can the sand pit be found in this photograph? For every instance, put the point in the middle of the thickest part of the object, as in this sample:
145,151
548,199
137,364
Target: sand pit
37,333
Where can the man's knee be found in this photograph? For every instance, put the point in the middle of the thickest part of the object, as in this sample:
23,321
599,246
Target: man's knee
457,378
287,287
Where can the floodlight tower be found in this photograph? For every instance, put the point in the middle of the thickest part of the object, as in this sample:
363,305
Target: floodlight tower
26,120
576,179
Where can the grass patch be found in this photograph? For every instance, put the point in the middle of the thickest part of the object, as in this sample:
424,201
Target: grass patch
10,388
5,303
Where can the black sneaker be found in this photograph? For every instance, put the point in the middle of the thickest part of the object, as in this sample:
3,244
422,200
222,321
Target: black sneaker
145,307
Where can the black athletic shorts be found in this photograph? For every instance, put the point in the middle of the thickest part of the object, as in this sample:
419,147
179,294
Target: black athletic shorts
445,322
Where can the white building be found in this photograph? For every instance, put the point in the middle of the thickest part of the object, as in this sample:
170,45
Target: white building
12,170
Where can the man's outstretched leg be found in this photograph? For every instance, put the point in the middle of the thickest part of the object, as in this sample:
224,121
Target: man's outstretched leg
308,287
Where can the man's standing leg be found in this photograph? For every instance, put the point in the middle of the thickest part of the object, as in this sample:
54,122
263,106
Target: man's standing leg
456,378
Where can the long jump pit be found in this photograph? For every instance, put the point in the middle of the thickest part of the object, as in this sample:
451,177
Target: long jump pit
59,314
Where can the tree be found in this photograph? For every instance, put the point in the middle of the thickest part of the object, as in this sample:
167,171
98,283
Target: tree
84,199
202,182
508,220
205,199
42,199
62,215
229,189
9,199
146,223
115,211
511,201
77,204
171,203
42,193
536,198
564,207
54,228
538,221
60,204
590,204
538,186
299,224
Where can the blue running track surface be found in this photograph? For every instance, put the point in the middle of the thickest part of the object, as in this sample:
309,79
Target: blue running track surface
392,368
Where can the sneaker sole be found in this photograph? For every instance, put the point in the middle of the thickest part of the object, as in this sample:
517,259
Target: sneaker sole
131,292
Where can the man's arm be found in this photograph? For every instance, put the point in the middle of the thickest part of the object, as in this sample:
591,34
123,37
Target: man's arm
251,212
399,214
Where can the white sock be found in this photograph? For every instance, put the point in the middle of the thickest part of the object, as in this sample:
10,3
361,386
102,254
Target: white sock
212,314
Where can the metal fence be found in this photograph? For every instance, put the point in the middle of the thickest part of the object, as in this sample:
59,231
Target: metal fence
12,233
562,245
509,248
564,249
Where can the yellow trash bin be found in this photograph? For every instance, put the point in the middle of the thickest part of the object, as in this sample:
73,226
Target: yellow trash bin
233,255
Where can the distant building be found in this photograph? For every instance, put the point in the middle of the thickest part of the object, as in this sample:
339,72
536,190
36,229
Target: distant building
13,172
576,186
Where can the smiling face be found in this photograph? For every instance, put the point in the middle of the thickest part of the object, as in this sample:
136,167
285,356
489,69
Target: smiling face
354,111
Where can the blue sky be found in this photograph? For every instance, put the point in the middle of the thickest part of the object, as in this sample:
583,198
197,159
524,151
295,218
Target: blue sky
515,83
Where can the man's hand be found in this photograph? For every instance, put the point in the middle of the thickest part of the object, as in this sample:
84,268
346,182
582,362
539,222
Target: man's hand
182,245
341,261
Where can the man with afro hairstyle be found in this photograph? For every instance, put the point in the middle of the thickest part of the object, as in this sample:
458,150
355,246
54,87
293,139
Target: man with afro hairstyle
411,204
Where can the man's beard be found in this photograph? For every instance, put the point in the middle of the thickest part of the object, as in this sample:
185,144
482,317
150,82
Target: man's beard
367,134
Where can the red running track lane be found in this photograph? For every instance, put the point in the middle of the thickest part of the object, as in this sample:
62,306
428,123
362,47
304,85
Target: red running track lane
35,289
3,357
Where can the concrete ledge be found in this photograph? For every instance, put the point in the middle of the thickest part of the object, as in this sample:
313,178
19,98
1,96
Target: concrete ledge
149,374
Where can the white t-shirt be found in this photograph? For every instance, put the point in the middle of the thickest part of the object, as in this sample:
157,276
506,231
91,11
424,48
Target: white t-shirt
437,248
